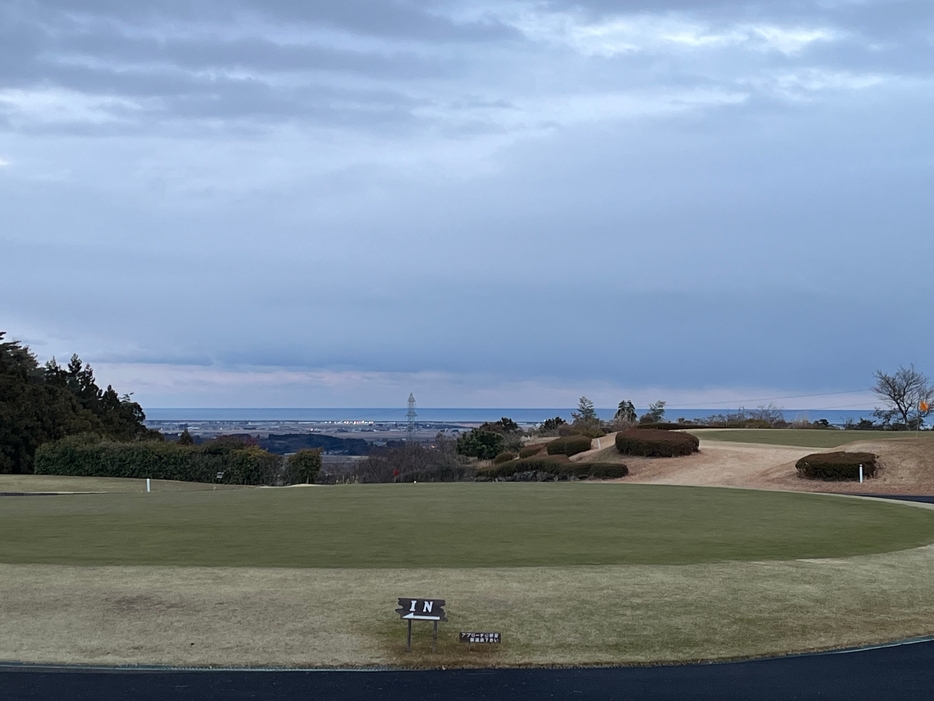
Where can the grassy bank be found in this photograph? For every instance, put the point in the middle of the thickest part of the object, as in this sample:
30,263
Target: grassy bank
557,615
464,525
803,437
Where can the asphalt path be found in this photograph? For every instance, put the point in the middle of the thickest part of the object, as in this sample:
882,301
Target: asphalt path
897,672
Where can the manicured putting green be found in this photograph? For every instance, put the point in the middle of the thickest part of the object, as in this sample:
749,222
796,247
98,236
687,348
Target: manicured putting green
452,525
802,437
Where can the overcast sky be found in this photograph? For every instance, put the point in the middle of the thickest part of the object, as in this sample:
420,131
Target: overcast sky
238,203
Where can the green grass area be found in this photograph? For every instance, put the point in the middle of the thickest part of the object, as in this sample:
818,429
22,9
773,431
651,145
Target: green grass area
59,483
803,437
452,525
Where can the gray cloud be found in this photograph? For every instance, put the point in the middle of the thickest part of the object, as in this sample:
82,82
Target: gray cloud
681,194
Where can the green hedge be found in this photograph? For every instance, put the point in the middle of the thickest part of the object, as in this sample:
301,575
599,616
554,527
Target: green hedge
836,467
570,445
303,467
557,467
655,443
530,450
81,456
505,456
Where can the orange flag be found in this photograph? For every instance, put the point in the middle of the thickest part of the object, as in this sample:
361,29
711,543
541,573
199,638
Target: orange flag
923,406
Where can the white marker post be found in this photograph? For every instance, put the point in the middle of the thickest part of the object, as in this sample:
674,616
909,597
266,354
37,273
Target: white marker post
149,486
860,473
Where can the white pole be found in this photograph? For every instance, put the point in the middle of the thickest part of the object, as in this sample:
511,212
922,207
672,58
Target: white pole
598,444
149,486
861,473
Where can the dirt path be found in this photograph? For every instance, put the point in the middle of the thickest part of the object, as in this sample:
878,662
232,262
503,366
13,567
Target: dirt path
905,466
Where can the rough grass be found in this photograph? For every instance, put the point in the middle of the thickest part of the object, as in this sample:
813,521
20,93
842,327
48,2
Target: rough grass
559,615
803,437
466,525
58,483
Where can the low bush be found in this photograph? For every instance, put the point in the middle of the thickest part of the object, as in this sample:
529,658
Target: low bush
607,470
589,431
655,443
570,445
505,456
666,426
530,450
88,456
836,467
303,467
548,468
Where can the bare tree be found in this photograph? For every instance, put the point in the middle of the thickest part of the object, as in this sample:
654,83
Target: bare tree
908,393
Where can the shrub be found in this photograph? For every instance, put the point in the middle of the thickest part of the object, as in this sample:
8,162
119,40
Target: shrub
530,450
303,467
667,426
505,456
835,467
210,462
571,445
556,467
485,445
655,443
603,470
591,432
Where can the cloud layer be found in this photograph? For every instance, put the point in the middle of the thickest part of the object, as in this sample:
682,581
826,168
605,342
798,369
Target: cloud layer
508,199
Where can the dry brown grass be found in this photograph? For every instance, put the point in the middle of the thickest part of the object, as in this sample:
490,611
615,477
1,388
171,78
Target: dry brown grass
906,466
562,615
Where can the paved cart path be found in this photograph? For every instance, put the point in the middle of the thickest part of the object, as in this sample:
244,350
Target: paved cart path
899,672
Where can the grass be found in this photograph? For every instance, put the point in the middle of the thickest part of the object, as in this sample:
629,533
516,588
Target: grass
57,483
803,437
557,615
452,526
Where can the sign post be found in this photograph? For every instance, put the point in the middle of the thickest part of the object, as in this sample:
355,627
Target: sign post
421,610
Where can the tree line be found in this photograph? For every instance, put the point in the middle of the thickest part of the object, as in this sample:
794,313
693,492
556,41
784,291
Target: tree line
42,403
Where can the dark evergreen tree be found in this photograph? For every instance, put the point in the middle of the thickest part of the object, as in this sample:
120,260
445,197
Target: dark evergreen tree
44,403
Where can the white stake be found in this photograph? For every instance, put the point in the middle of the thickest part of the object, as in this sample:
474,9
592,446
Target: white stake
861,473
149,489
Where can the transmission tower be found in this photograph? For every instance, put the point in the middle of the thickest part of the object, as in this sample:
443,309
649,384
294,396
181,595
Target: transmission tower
410,420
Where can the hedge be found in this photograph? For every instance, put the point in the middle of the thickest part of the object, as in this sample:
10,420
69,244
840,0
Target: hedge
835,467
590,432
303,467
655,443
505,456
556,467
570,445
209,462
667,426
530,450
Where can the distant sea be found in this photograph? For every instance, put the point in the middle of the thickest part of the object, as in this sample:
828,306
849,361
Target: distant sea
444,415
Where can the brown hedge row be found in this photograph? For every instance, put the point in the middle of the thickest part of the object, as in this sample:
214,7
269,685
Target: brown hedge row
836,467
556,467
530,450
570,445
655,443
505,456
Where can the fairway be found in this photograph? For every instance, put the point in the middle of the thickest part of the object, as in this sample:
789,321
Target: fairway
804,437
452,525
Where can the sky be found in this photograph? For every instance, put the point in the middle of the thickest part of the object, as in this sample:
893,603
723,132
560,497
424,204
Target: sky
230,203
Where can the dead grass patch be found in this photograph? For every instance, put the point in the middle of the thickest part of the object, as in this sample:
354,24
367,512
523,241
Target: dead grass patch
555,615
